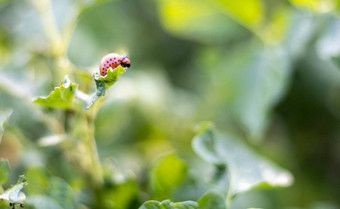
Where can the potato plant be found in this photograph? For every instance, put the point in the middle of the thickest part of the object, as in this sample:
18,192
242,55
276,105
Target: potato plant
226,105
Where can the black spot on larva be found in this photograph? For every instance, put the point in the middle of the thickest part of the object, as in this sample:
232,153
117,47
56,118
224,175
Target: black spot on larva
104,64
107,61
111,59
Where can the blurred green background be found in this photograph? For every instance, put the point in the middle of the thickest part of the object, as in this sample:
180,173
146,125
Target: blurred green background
265,71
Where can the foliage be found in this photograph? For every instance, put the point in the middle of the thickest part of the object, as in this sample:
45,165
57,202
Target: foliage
166,175
61,97
166,204
105,82
265,73
238,169
14,194
49,191
212,199
4,171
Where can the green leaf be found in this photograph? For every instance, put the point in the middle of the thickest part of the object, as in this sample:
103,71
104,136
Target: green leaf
266,85
103,83
185,18
247,170
121,192
328,46
4,171
61,97
14,194
166,175
166,204
111,77
60,191
3,120
54,187
207,148
223,20
302,29
248,12
38,181
43,202
22,179
321,6
254,78
212,200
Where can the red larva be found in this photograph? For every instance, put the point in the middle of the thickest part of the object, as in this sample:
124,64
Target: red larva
113,60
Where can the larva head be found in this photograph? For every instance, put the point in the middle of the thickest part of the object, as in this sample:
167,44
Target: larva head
125,62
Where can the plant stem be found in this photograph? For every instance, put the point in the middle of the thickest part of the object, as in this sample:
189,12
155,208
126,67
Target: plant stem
48,21
96,169
83,149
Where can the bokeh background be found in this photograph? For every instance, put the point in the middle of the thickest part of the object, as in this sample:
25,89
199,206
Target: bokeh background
266,71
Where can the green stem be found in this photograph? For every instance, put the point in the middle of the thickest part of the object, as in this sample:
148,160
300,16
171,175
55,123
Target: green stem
81,147
50,28
96,169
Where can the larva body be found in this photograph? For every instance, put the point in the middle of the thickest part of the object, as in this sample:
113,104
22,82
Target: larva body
113,60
